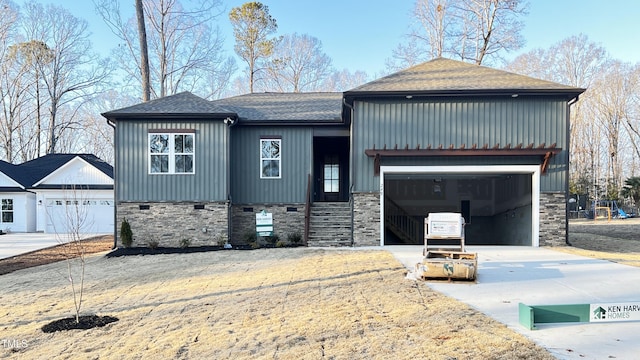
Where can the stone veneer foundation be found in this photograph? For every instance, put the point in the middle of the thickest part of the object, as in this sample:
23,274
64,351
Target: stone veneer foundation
168,223
287,219
553,219
366,219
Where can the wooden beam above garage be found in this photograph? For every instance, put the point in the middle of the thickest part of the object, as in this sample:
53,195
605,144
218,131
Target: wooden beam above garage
544,152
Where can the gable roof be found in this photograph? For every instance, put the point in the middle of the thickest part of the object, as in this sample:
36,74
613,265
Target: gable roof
303,108
442,76
37,169
181,105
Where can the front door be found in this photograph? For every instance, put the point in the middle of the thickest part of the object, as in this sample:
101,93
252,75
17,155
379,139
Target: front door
330,169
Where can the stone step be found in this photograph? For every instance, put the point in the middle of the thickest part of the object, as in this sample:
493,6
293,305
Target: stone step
330,224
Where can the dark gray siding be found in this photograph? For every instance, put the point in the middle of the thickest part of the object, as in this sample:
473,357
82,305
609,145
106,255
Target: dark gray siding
459,121
296,150
134,183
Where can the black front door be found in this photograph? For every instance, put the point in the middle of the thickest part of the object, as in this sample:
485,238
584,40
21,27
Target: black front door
331,166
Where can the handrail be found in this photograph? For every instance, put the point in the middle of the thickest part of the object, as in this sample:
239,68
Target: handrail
307,211
405,225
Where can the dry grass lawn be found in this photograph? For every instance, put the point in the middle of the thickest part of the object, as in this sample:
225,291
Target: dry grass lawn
615,240
300,303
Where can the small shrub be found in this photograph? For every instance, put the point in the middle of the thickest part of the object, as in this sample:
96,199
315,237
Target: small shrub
220,240
294,238
254,245
273,239
250,237
153,244
184,243
281,244
126,235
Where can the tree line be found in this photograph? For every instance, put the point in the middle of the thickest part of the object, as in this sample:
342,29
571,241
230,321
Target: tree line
54,86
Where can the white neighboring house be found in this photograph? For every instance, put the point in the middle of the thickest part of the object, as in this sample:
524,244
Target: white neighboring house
17,204
56,191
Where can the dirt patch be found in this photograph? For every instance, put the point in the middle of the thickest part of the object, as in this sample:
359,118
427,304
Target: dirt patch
56,253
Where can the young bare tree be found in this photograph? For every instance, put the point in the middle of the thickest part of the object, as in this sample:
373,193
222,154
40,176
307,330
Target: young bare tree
252,26
70,225
298,64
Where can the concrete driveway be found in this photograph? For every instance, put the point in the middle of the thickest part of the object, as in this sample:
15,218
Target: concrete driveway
540,276
13,244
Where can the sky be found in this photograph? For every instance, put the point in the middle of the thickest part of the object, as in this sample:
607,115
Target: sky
361,34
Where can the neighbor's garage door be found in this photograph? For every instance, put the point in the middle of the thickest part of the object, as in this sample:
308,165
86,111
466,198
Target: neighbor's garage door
89,216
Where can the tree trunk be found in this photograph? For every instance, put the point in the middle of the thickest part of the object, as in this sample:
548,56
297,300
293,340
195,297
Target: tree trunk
144,53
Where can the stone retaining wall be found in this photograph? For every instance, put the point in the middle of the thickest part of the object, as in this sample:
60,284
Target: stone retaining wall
168,223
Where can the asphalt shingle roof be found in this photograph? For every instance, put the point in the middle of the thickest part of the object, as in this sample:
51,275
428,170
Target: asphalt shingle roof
448,76
13,171
37,169
285,107
181,104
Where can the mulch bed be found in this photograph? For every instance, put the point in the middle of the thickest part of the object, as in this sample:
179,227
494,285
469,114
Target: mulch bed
84,322
96,245
170,250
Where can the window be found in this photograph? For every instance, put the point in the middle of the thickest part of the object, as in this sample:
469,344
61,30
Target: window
7,210
331,176
171,153
270,161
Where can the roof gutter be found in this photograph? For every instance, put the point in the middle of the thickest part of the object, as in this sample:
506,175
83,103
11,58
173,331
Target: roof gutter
115,207
229,122
571,93
167,116
566,184
351,156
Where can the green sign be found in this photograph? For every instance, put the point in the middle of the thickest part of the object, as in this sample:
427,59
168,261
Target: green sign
264,223
530,315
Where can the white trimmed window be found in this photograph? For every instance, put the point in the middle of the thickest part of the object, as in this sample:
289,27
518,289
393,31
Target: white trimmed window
171,153
7,210
270,160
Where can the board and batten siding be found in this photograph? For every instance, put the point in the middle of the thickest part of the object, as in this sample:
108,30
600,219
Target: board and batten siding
296,155
134,183
459,121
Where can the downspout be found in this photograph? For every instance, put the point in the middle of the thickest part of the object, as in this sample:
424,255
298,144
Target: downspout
115,207
351,182
229,122
566,189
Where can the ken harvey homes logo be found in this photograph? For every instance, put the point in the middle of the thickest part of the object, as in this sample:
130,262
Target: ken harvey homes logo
615,312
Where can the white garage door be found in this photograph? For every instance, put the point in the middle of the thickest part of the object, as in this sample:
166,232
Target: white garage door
89,216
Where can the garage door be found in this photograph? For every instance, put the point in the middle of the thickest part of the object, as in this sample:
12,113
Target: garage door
89,216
